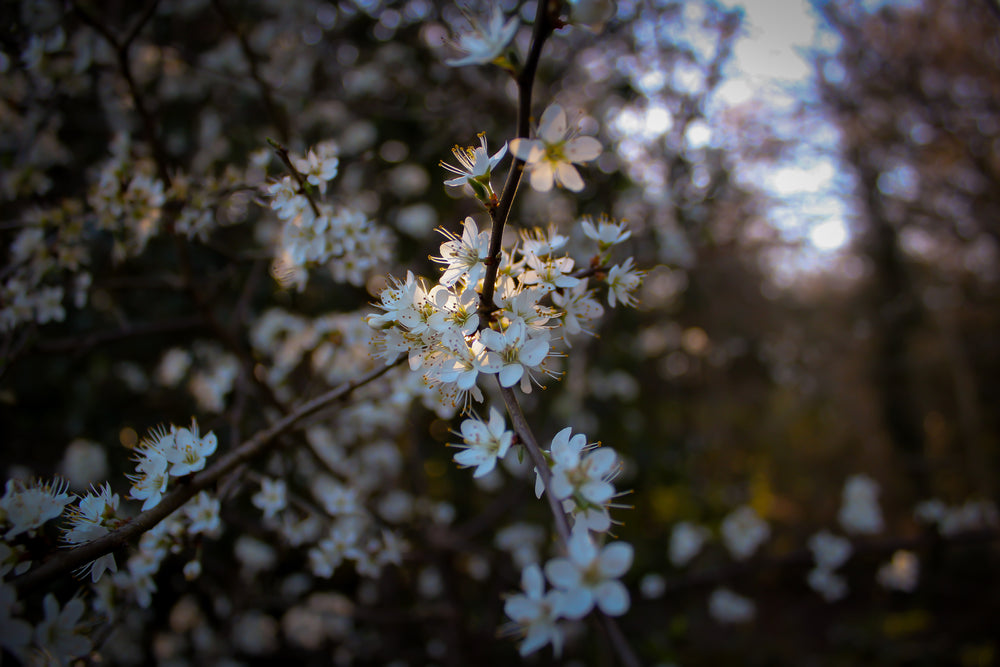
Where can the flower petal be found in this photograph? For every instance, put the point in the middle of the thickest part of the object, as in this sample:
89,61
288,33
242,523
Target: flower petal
582,149
541,177
562,574
616,559
568,177
552,126
612,598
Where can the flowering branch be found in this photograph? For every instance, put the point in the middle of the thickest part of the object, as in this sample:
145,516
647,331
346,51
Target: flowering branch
282,153
255,446
525,82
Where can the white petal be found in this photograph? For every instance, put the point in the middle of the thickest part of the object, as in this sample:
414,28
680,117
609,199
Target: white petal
524,149
582,149
612,598
616,559
532,582
534,351
562,573
541,177
597,491
581,548
576,603
552,126
511,374
602,461
568,177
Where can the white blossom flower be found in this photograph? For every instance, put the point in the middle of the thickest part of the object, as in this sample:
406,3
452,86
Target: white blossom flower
830,551
549,273
542,242
743,531
607,232
686,540
485,443
623,281
465,257
577,306
484,43
551,156
25,508
582,477
589,576
725,606
535,613
203,513
60,633
513,350
860,512
188,451
824,581
94,517
272,497
476,165
319,165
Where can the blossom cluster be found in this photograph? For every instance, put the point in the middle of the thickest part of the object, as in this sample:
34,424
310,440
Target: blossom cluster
538,300
586,578
317,233
26,507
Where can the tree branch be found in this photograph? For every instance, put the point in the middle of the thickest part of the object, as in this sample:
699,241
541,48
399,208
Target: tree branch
189,487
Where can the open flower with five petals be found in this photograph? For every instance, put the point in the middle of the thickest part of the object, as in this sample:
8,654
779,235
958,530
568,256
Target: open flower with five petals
476,165
512,350
484,43
485,443
589,576
551,156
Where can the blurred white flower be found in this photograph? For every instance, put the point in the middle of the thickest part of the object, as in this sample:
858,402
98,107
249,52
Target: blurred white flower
589,576
743,531
591,14
830,551
484,44
83,463
860,512
686,541
727,607
831,586
535,613
551,156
